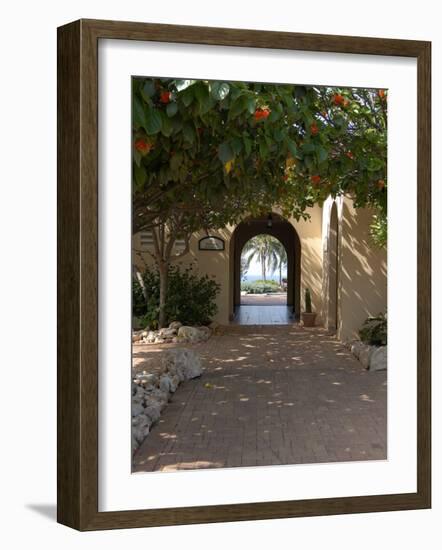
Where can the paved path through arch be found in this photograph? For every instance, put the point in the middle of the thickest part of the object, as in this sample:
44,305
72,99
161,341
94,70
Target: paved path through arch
270,395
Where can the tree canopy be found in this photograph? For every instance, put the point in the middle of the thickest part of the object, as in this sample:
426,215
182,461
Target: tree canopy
206,152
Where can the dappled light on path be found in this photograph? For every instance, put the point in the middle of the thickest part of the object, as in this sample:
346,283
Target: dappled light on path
270,395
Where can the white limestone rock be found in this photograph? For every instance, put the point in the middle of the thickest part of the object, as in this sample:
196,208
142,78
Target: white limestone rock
356,347
184,363
165,384
153,411
193,334
137,408
140,427
150,337
365,355
188,334
378,359
167,333
157,395
205,333
146,379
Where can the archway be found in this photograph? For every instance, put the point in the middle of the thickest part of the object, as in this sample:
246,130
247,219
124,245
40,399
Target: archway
333,270
264,271
276,226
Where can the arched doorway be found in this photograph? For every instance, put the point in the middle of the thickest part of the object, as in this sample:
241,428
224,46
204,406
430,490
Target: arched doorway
276,226
264,259
333,270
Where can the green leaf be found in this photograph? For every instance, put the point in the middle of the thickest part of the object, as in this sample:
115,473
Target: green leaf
148,90
321,154
189,132
374,164
248,145
219,90
176,161
202,95
187,97
274,115
309,162
278,135
140,176
237,107
183,84
139,116
292,147
308,147
263,149
225,153
172,109
236,145
153,122
177,124
251,104
300,91
166,125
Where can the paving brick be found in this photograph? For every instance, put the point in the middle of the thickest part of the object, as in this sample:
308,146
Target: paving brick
281,395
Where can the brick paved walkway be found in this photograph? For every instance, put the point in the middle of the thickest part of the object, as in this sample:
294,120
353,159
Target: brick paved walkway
264,300
270,395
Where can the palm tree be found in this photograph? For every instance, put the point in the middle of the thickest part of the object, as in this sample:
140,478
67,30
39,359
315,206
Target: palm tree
278,258
268,251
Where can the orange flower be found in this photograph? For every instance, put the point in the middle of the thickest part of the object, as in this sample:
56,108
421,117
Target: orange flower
350,155
261,114
382,94
165,97
338,99
143,146
316,180
314,129
380,184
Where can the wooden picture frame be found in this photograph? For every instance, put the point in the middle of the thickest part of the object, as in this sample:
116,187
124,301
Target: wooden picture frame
78,274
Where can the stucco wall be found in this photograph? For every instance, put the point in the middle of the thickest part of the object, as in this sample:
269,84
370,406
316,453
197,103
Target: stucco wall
362,277
213,263
217,265
310,234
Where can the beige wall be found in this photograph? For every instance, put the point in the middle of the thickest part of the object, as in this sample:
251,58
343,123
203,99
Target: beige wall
362,273
217,265
213,263
310,235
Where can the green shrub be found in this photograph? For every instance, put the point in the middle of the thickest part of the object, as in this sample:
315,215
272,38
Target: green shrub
191,299
374,330
261,287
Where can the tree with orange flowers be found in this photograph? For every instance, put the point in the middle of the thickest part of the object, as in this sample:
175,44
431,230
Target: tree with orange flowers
206,152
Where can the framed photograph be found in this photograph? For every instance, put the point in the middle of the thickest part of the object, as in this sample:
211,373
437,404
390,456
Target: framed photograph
288,374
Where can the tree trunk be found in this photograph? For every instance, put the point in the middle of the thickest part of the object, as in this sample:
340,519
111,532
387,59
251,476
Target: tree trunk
140,280
163,269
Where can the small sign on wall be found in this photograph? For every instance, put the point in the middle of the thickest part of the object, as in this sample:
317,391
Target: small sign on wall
211,243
